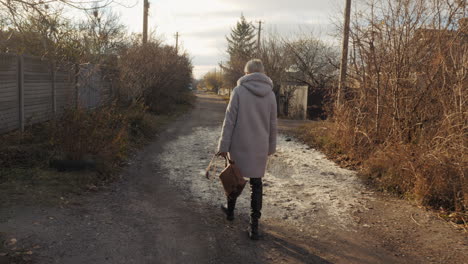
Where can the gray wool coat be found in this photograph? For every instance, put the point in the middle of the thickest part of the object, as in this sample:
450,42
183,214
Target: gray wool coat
249,128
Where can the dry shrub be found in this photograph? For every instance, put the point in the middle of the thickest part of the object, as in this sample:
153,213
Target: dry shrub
404,112
157,75
431,168
322,135
100,134
441,175
391,169
434,179
142,124
104,135
440,183
354,142
99,138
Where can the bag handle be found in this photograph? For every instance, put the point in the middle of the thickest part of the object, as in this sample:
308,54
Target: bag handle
228,159
210,165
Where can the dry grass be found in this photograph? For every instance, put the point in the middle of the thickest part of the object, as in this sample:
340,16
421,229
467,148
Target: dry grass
322,135
427,174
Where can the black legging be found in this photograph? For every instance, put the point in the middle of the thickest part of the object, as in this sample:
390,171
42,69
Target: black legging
256,187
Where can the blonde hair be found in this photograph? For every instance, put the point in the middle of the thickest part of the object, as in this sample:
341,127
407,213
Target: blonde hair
254,65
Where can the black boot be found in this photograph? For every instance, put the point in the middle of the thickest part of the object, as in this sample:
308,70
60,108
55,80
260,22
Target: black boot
253,229
255,207
229,209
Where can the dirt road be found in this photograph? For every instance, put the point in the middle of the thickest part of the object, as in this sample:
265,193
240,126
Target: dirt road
165,211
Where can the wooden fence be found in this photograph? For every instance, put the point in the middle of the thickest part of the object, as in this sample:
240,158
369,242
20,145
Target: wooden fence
33,90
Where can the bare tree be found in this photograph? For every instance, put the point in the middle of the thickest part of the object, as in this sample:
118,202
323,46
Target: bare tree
315,64
17,10
103,33
48,33
304,60
275,58
408,91
315,61
47,36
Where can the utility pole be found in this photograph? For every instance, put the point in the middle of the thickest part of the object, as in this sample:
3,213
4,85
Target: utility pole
258,37
145,21
344,54
177,42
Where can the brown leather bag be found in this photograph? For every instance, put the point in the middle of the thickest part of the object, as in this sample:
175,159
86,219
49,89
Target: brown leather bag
231,178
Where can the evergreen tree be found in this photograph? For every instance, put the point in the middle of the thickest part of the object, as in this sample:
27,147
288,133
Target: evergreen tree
242,39
241,48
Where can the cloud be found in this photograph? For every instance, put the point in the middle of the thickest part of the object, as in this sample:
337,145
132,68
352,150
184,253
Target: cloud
280,4
204,24
217,33
206,59
213,14
200,70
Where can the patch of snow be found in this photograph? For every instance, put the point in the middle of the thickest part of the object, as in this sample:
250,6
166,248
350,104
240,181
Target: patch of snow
300,184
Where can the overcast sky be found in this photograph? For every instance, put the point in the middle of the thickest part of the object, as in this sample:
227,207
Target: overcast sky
203,24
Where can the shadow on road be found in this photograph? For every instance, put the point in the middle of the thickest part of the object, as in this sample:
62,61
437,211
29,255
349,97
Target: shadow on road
292,252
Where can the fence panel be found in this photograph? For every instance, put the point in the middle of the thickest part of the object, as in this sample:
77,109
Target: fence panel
89,82
38,92
33,90
64,88
9,93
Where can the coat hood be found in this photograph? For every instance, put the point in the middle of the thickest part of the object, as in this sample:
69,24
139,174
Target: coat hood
257,83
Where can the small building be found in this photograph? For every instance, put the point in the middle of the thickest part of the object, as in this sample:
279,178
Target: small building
223,91
293,100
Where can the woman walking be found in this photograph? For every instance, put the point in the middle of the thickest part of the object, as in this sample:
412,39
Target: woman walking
249,135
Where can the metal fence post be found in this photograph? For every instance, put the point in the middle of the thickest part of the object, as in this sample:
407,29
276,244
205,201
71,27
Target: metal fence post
21,91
